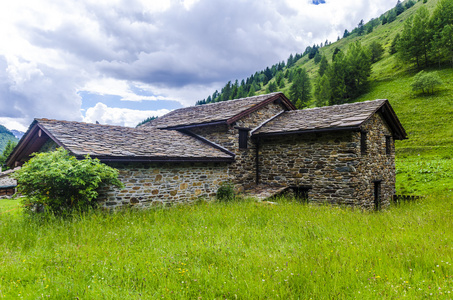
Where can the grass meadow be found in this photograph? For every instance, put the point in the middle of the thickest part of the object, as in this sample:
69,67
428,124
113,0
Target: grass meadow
237,250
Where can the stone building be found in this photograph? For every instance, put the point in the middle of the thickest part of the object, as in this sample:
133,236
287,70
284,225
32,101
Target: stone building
7,184
342,154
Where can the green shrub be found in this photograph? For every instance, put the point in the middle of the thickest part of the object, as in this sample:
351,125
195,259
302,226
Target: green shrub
61,183
226,192
426,82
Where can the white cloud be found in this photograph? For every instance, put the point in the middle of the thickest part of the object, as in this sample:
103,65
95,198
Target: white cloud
13,123
173,49
119,116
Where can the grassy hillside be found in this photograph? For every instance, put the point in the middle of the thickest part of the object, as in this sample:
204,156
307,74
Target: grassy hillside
425,160
239,250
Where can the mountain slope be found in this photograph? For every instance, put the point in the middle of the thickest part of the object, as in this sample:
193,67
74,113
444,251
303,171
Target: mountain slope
5,136
425,160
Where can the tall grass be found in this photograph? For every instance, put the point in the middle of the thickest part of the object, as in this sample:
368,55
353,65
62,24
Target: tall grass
232,250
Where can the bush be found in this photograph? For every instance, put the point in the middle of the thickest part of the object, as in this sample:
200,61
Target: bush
426,82
226,192
61,183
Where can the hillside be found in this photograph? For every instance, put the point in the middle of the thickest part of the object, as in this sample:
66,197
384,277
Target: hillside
425,160
5,136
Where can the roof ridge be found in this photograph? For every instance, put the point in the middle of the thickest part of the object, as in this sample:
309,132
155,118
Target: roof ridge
337,105
79,122
237,100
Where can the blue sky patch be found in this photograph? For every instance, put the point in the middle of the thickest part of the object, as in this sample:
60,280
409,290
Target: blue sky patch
90,100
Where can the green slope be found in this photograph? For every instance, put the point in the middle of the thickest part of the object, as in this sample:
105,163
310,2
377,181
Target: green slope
5,136
425,160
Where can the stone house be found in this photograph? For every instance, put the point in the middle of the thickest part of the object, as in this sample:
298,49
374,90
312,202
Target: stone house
342,154
7,184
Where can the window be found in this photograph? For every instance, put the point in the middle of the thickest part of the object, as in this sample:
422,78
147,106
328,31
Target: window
363,146
388,145
243,138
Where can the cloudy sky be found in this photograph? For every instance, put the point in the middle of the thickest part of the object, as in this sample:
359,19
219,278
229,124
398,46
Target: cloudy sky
120,61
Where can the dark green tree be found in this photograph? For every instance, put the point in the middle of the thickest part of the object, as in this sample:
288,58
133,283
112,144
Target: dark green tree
272,87
323,65
301,88
391,16
358,70
360,28
322,91
346,33
421,36
399,8
252,91
8,150
376,51
336,75
394,46
317,58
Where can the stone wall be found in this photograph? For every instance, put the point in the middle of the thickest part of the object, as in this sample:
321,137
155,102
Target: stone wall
242,170
331,165
376,164
6,180
164,184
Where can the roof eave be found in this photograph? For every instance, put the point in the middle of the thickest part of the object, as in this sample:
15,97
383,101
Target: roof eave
149,159
190,126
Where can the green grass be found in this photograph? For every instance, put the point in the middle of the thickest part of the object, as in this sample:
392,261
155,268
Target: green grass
10,206
235,250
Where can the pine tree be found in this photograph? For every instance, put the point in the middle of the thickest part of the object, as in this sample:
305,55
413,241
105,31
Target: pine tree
322,91
252,91
8,150
323,65
399,8
421,34
376,51
358,70
301,87
336,75
394,46
360,28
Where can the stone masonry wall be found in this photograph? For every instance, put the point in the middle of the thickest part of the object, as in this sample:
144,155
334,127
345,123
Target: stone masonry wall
6,180
376,165
164,184
242,170
332,165
324,162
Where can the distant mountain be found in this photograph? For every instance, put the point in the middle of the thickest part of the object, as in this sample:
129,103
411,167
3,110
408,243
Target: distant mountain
18,134
5,136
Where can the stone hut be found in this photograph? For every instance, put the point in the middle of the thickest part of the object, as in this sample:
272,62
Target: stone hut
7,184
339,154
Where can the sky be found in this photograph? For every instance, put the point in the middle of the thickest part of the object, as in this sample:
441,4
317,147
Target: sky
120,61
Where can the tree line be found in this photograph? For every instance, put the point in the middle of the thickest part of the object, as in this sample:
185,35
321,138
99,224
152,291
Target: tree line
249,86
427,39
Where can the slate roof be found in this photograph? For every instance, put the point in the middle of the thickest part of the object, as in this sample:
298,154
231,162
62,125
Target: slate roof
110,143
336,117
220,112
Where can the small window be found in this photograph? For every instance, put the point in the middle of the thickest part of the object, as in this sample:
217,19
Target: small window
243,138
388,145
363,146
